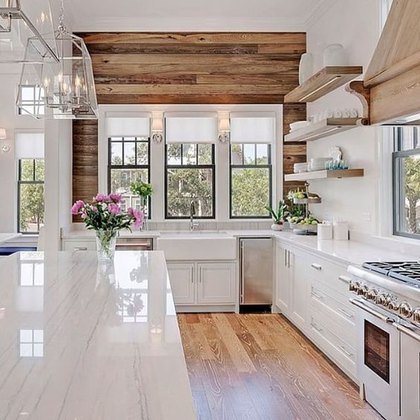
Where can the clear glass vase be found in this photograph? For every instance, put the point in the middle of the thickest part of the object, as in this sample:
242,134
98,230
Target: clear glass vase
105,244
144,207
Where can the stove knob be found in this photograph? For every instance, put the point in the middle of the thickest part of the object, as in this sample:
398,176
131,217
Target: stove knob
372,294
381,299
363,290
406,310
354,286
416,315
394,305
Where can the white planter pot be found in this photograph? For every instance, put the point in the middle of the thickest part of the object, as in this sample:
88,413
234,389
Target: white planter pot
306,67
276,226
334,55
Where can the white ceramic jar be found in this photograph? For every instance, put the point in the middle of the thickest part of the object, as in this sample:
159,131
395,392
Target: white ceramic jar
341,231
306,67
325,231
334,55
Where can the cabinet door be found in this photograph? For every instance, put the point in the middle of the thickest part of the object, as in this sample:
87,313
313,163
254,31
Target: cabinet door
282,279
410,378
181,277
299,280
216,284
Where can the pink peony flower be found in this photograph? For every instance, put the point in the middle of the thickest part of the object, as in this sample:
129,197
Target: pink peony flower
77,206
116,198
137,215
100,198
114,208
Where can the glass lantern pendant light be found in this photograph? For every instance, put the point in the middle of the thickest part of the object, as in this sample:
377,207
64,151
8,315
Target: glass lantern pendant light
69,85
66,90
23,20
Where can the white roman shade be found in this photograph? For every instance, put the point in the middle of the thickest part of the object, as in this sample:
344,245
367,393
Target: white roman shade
29,145
128,126
252,128
191,128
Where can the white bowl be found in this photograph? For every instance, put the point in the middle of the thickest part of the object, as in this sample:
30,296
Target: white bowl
300,167
298,124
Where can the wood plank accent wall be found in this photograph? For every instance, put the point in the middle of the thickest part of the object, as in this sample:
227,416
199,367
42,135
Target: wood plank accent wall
188,68
195,68
85,160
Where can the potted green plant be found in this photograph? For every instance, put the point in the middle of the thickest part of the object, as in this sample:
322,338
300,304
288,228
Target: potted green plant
278,215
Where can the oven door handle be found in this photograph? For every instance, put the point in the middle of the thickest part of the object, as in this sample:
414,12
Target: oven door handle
407,331
360,304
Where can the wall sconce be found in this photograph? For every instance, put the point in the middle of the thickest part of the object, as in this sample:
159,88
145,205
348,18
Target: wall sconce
157,127
224,127
5,148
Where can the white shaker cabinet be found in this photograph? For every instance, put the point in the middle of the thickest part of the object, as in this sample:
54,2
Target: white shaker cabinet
216,283
283,277
299,289
292,284
203,286
182,282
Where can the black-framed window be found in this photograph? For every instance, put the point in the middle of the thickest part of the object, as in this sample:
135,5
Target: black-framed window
31,100
190,177
250,180
128,161
30,195
406,182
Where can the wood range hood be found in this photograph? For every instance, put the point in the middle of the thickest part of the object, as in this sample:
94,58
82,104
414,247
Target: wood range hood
392,81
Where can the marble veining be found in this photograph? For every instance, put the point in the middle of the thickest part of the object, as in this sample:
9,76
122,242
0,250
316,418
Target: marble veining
86,341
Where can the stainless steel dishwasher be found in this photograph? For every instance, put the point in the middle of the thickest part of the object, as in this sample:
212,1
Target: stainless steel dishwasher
256,271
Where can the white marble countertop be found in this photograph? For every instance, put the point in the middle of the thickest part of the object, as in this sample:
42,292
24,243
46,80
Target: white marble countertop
345,252
4,237
90,234
82,340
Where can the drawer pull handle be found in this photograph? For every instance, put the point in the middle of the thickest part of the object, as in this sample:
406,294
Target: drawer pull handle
315,327
347,353
344,279
316,266
80,248
347,314
314,294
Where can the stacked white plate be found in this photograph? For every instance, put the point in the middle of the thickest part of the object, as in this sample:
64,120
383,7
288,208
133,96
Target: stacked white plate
318,164
298,125
300,167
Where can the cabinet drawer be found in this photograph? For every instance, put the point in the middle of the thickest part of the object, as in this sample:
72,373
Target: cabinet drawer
333,275
79,246
325,335
339,304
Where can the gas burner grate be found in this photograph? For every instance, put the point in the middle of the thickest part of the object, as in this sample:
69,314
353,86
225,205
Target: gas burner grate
406,271
384,267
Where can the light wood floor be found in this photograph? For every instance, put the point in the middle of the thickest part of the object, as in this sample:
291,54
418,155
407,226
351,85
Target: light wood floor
261,367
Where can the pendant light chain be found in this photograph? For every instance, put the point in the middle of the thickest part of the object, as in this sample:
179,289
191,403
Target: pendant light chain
61,25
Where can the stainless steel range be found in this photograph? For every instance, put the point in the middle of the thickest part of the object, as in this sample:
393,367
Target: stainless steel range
388,319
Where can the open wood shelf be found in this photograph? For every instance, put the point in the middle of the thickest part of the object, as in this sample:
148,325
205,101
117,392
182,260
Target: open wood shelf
325,81
341,173
324,128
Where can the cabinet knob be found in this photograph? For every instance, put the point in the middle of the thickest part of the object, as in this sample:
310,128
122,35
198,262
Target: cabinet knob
316,266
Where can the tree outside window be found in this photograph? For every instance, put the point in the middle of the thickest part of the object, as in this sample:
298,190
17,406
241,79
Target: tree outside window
190,172
31,195
406,163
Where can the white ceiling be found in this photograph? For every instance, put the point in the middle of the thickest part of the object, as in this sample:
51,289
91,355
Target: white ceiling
191,15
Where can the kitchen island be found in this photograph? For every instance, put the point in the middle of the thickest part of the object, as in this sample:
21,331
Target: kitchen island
86,340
